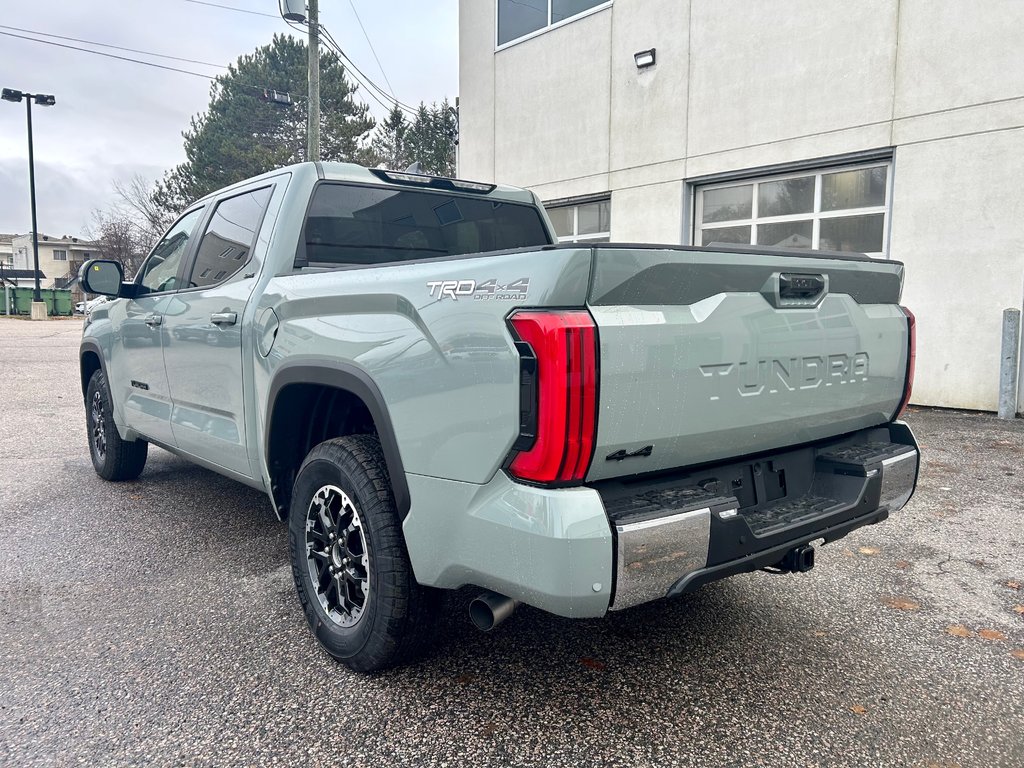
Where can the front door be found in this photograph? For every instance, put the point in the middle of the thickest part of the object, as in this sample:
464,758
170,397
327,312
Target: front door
203,330
137,378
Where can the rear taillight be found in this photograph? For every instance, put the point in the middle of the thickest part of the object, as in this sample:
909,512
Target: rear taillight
908,386
558,398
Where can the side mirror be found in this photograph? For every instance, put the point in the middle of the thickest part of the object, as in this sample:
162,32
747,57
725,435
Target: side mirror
102,277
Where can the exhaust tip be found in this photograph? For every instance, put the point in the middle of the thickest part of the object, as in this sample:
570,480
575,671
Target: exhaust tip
489,609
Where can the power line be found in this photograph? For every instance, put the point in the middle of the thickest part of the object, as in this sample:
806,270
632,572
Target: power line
115,47
327,40
372,49
144,63
108,55
233,8
389,96
369,85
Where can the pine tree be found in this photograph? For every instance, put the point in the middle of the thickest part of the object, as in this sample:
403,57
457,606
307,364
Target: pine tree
390,146
432,138
242,134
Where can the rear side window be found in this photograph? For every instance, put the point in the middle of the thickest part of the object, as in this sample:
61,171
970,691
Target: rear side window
229,237
364,225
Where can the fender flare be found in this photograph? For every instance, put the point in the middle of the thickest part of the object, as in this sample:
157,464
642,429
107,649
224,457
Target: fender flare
90,345
355,380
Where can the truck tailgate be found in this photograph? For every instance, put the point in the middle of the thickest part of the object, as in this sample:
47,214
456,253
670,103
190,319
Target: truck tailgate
710,355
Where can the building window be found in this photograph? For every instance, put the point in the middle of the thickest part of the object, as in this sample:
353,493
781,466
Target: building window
521,18
834,209
583,222
59,255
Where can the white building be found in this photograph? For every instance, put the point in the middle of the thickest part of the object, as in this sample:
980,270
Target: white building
59,258
893,127
7,250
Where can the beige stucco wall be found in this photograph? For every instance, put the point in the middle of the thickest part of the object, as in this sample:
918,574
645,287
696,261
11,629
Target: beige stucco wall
742,84
53,269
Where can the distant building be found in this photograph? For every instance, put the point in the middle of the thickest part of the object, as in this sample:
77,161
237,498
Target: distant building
889,127
59,259
7,250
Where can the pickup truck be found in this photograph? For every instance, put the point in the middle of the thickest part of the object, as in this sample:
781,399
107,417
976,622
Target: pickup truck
434,393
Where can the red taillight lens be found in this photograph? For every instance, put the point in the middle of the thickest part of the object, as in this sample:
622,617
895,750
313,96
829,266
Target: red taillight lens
565,347
908,388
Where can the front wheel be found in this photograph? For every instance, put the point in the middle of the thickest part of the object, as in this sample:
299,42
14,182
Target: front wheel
349,560
112,457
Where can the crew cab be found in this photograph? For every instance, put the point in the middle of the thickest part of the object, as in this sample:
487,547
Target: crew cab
434,393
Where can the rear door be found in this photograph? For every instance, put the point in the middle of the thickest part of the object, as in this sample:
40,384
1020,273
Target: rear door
203,332
137,378
706,356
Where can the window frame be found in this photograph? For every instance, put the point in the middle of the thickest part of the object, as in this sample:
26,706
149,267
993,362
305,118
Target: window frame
816,215
55,257
547,27
190,259
140,290
575,237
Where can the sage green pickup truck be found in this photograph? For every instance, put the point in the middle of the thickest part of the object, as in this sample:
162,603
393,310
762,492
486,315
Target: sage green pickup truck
434,393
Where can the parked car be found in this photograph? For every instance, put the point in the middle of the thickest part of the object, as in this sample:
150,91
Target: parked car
433,393
85,307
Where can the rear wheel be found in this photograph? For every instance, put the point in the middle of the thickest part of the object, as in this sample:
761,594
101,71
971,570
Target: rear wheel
349,560
112,458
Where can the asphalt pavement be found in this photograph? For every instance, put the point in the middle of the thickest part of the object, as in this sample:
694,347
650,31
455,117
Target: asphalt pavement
155,623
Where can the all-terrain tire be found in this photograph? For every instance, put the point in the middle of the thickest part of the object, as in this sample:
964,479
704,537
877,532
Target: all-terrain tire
391,622
112,458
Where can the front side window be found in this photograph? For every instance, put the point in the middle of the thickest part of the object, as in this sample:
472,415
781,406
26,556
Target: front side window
843,209
520,18
160,272
229,237
585,222
350,224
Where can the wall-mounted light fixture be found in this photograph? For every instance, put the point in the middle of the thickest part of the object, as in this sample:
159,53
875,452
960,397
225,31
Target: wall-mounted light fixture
645,59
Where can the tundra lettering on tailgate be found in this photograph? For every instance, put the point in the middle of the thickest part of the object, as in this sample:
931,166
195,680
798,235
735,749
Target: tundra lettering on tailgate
795,373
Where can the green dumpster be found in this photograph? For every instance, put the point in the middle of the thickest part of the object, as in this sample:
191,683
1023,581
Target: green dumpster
57,302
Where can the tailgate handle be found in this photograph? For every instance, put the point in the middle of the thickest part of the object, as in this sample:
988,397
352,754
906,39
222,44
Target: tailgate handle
801,286
797,289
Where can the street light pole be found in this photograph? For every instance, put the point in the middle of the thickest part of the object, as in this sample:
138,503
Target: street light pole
43,100
36,296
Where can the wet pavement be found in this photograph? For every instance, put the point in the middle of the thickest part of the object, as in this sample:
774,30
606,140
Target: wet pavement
155,623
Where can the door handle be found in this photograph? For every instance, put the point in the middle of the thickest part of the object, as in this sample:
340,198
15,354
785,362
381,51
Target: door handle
224,318
154,320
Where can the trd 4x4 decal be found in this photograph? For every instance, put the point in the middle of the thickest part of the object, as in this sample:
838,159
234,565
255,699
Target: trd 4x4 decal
489,290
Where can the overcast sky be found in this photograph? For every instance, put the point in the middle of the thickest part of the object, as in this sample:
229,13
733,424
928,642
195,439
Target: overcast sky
114,118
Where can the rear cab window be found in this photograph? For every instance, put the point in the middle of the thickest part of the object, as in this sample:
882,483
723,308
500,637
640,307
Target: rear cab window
351,224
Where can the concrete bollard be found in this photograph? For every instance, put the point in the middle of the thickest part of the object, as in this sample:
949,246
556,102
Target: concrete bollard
1009,362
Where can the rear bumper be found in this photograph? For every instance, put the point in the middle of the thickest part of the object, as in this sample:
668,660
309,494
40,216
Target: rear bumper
579,552
768,557
672,537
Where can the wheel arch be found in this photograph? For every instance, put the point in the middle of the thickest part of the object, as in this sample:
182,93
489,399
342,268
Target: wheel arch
90,360
298,392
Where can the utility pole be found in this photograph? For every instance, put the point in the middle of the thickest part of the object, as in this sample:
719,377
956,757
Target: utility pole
313,123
